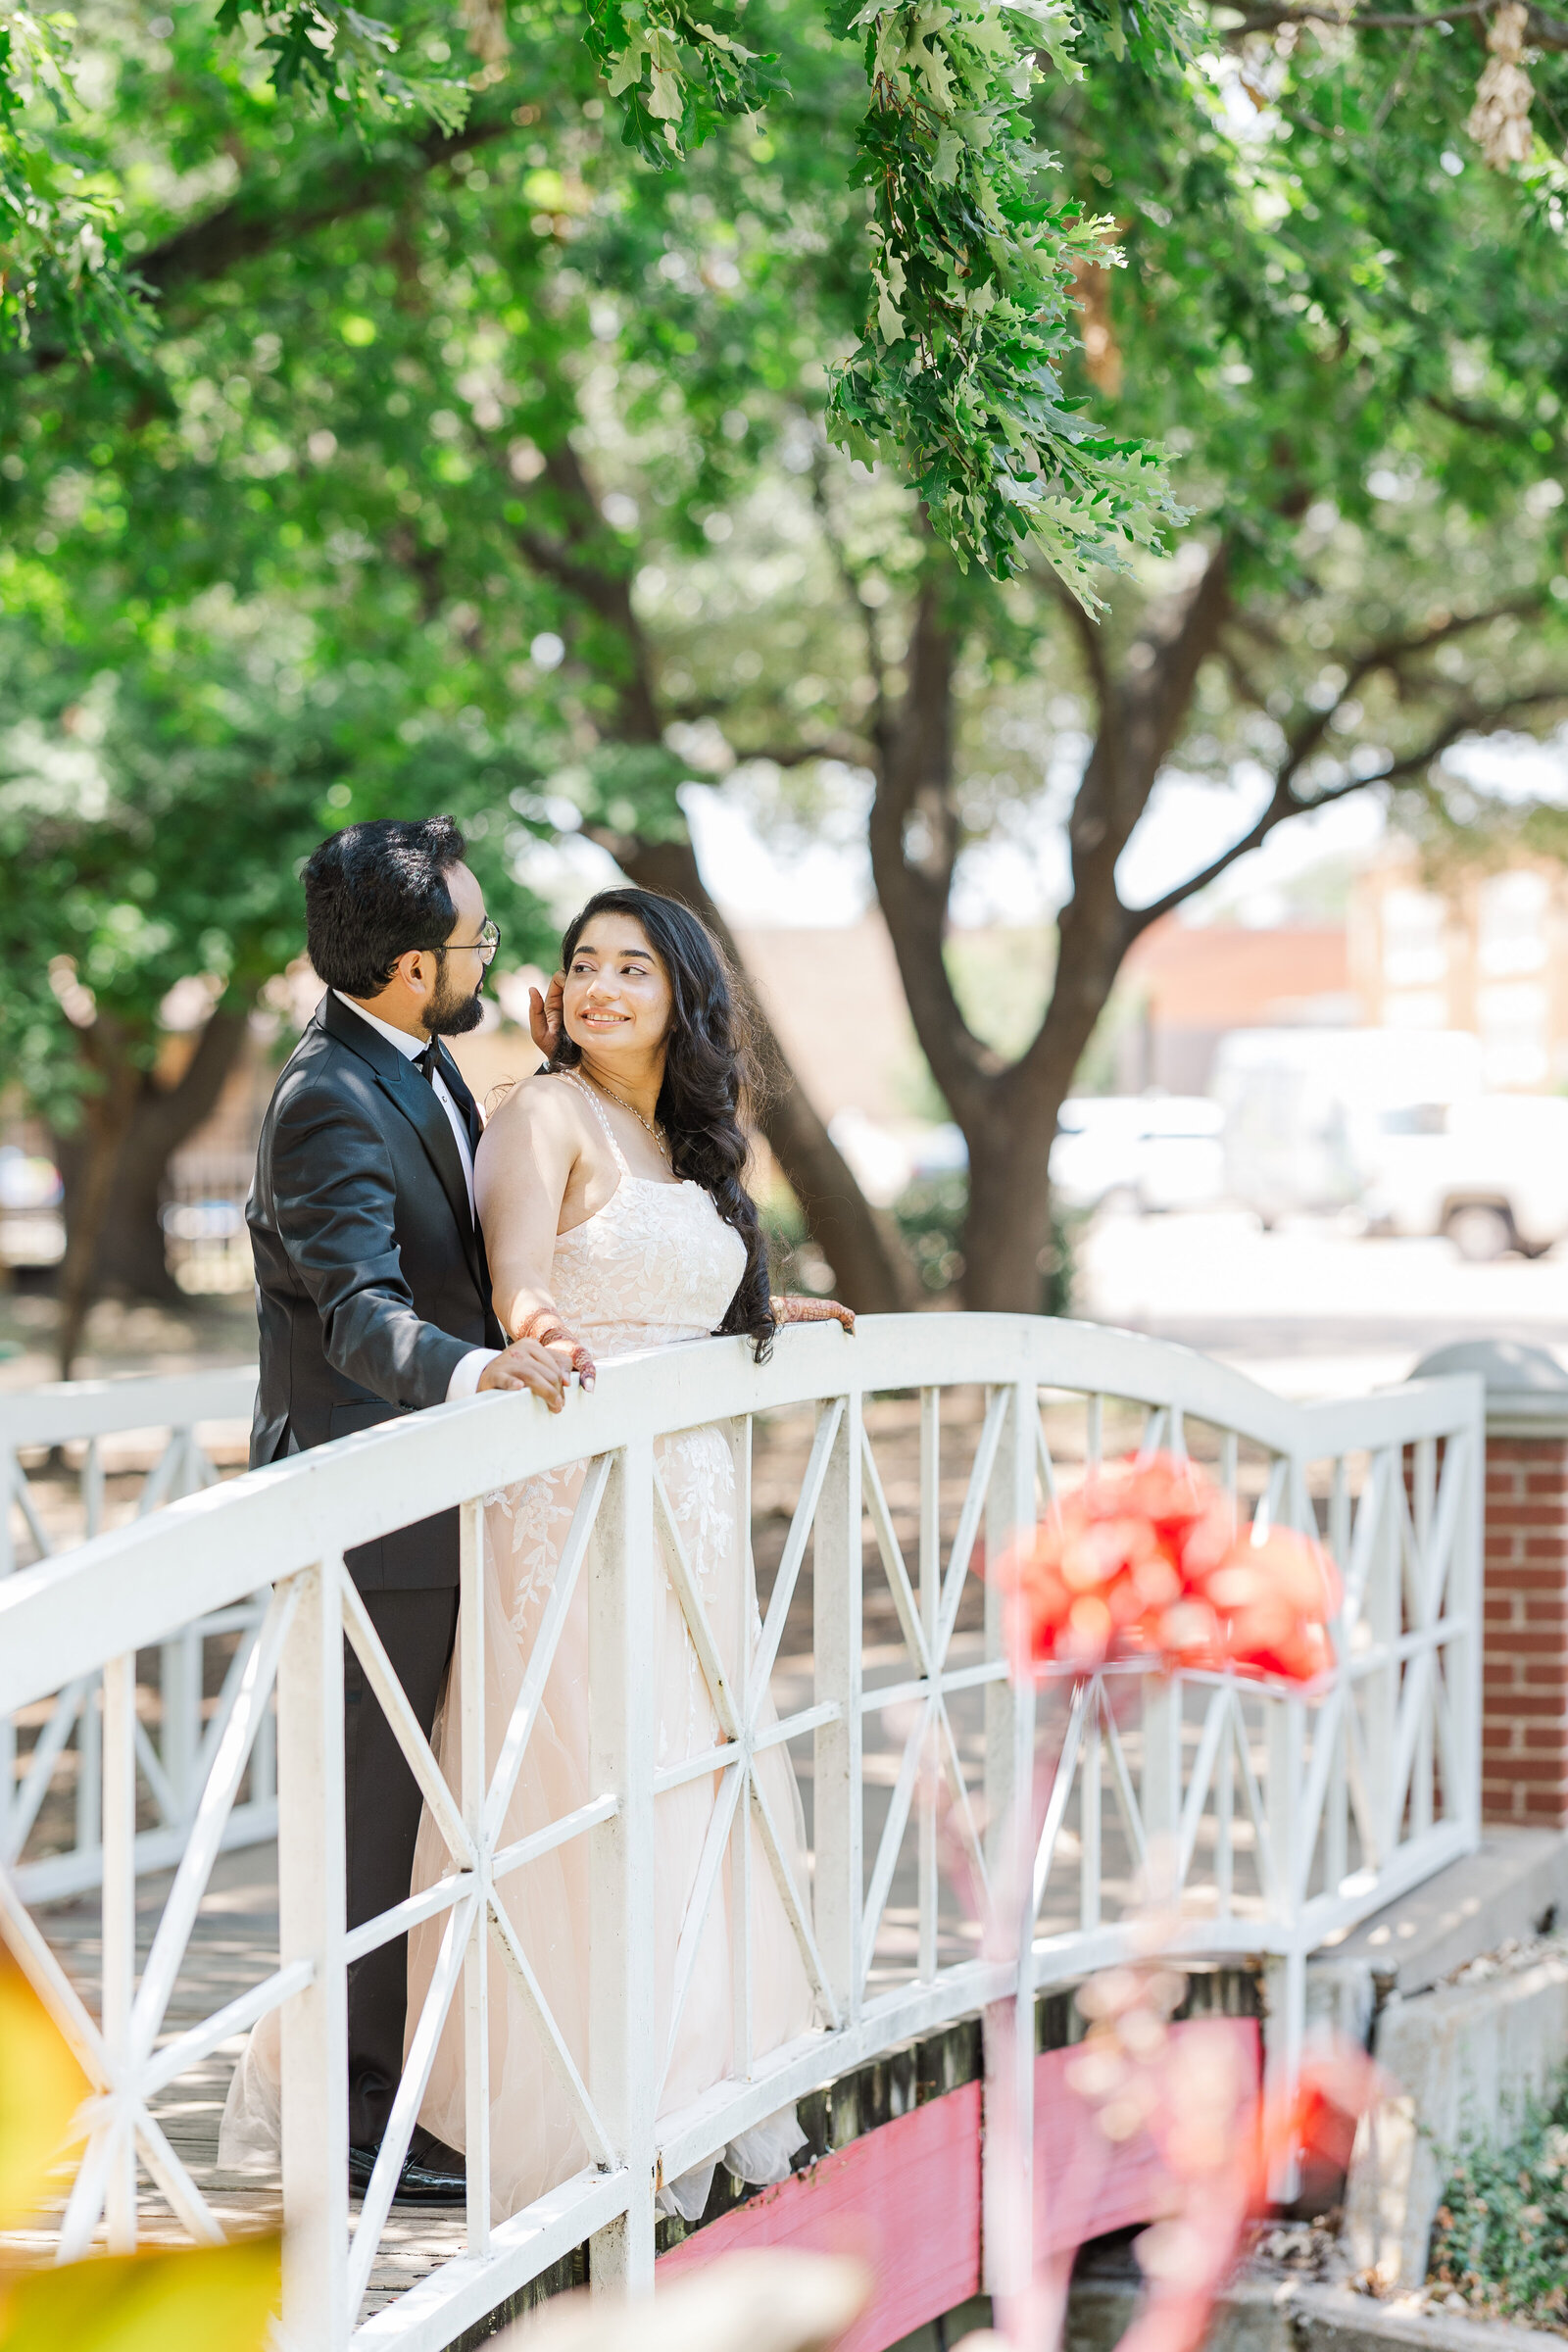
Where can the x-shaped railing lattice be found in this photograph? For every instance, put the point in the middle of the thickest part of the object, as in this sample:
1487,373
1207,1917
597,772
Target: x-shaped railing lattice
928,1636
175,1769
741,1705
117,2052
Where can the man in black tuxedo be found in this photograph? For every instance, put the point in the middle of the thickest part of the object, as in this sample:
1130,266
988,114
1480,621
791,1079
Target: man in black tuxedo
374,1297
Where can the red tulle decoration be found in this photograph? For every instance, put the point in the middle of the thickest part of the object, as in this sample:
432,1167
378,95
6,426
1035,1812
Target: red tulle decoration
1146,1560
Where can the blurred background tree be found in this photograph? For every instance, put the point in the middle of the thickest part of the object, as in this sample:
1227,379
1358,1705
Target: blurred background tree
487,468
153,820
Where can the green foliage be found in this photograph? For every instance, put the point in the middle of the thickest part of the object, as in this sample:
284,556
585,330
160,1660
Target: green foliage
961,383
1501,2234
676,75
931,1213
342,59
416,412
154,816
959,375
60,252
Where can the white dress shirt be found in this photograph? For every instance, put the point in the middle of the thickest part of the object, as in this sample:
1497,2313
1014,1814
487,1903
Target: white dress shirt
464,1379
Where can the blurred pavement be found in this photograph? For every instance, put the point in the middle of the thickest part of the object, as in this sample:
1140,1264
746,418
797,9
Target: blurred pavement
1310,1309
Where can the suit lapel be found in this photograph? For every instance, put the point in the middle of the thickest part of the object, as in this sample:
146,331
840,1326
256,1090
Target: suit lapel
415,1097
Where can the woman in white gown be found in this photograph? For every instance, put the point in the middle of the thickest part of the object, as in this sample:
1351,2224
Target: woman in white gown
615,1221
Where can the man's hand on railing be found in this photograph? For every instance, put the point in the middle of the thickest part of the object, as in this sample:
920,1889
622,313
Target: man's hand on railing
796,1309
527,1365
546,1329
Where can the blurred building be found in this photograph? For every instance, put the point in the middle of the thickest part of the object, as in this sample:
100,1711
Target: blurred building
1187,985
1484,950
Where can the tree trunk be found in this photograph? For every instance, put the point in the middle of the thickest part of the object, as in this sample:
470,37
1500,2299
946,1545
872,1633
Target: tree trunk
1008,1114
114,1171
1006,1231
89,1173
868,1272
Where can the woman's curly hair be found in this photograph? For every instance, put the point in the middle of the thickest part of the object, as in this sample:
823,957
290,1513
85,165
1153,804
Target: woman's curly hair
709,1076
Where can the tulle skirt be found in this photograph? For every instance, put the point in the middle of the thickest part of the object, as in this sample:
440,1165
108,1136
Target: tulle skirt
536,2141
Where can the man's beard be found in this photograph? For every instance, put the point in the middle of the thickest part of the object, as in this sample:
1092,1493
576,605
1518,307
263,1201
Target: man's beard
452,1015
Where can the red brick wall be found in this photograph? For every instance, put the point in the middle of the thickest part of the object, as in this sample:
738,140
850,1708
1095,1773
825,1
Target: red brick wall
1524,1722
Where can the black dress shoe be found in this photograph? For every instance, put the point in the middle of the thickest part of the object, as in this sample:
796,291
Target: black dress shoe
432,2174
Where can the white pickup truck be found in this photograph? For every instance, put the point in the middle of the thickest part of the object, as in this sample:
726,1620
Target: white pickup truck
1490,1172
1392,1123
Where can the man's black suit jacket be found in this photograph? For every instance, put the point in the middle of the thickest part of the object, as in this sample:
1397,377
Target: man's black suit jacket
371,1275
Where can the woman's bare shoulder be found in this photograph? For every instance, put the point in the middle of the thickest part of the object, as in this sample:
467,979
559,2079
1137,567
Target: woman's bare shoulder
542,1109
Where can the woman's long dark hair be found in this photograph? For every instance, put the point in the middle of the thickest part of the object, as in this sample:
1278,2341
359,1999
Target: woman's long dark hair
708,1076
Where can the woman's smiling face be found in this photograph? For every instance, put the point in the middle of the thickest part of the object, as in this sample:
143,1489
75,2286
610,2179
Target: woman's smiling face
616,999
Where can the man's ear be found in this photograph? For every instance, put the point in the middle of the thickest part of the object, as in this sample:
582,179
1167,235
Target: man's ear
412,969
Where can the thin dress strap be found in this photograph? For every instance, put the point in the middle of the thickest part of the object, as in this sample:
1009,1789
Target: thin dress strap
598,1108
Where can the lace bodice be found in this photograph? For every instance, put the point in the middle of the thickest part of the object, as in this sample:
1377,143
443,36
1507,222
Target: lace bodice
656,1264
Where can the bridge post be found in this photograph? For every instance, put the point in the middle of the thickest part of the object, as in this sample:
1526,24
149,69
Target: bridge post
625,2070
118,1914
837,1796
313,1910
1008,2186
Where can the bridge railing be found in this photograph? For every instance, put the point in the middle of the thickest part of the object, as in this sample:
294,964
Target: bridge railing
75,1457
1269,1822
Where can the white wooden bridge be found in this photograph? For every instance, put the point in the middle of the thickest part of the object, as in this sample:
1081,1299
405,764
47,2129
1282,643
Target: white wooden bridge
170,1703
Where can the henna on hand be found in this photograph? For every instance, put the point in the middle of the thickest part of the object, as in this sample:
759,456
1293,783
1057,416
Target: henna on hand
545,1327
798,1310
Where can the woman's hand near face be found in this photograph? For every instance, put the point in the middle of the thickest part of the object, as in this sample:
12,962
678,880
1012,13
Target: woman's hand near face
544,1016
796,1309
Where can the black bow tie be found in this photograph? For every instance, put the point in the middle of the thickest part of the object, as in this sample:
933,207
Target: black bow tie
425,1063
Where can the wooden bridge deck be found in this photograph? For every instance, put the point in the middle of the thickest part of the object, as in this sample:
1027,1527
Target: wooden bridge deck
234,1944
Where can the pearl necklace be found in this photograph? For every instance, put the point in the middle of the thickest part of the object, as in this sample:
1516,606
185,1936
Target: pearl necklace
659,1142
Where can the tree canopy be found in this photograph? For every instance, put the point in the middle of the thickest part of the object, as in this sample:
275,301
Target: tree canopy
973,250
485,465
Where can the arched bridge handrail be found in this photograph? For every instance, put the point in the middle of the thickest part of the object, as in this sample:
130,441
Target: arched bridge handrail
129,1588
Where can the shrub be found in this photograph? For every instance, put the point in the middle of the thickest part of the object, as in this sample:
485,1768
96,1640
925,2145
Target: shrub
930,1218
1501,2234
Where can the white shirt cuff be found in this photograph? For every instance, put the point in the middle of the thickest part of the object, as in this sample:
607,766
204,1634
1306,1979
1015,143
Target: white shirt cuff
465,1381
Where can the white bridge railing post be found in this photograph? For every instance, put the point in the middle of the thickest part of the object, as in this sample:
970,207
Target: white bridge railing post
838,1809
312,1873
1007,2187
118,1913
625,2067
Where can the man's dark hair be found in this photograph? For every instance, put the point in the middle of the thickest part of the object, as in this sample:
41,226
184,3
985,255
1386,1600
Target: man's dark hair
374,890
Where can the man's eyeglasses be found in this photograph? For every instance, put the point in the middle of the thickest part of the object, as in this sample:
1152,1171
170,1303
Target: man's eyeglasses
484,947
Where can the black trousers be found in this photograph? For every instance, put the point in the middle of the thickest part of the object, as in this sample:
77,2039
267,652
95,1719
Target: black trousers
383,1804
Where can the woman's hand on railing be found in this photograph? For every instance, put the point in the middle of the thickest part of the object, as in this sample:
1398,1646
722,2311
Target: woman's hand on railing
527,1365
546,1329
796,1309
